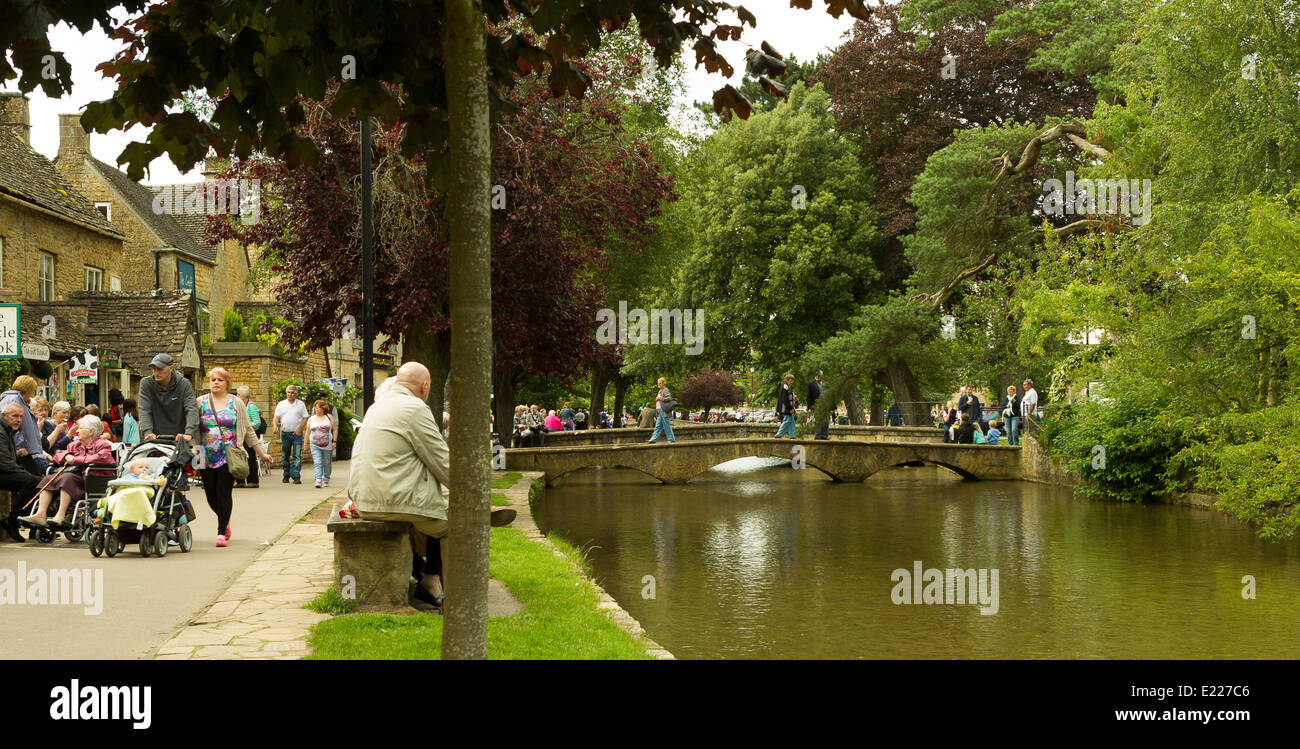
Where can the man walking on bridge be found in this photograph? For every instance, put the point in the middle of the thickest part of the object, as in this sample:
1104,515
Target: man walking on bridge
785,407
815,390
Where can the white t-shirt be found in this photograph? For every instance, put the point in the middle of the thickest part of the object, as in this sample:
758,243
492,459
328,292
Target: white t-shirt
290,415
1028,403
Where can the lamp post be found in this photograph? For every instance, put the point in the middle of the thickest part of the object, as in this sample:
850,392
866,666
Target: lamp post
367,275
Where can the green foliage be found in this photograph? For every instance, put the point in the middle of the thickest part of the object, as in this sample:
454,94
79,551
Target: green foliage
10,369
310,392
1252,461
232,323
1122,449
783,236
262,328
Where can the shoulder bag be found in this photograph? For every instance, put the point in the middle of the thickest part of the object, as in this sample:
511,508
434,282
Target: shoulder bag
236,456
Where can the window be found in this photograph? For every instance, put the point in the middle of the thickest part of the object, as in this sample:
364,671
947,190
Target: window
201,309
105,210
114,283
45,277
94,278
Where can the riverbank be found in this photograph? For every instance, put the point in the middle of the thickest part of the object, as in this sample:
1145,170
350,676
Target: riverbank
565,614
1041,467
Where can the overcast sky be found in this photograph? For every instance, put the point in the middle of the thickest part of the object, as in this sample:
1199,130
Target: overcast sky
804,33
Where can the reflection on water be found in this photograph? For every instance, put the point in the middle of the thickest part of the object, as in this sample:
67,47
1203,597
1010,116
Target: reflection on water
757,560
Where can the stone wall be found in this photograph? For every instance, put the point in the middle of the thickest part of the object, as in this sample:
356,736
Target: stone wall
27,232
1041,467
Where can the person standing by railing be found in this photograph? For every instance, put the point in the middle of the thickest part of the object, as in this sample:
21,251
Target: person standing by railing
1011,415
1028,404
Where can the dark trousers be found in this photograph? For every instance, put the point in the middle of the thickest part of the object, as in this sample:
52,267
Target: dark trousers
824,430
217,485
431,564
539,437
21,486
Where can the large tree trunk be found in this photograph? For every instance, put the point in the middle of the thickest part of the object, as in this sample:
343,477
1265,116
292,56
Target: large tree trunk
504,390
620,390
853,402
434,351
879,383
599,379
906,390
464,631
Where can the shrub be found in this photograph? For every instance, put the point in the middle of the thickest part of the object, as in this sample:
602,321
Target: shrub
1252,461
1121,449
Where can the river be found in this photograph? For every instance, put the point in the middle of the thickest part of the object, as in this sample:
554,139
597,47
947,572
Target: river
756,560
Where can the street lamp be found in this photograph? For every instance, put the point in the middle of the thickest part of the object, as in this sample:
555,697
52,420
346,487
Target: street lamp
367,275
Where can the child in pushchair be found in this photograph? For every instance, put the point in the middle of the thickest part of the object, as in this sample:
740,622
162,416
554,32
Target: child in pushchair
146,505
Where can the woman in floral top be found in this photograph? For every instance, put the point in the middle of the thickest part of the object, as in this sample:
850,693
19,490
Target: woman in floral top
223,423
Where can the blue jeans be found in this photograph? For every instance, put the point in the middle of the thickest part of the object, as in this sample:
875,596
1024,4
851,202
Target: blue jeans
320,460
787,425
1013,430
291,454
662,427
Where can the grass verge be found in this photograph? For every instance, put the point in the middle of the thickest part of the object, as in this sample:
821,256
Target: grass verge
330,602
560,619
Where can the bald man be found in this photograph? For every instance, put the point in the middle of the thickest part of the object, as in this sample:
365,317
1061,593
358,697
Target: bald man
400,463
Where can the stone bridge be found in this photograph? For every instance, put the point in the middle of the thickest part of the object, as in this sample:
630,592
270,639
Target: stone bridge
842,460
689,431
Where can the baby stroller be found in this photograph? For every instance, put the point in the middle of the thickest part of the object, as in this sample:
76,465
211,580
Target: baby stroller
170,510
74,527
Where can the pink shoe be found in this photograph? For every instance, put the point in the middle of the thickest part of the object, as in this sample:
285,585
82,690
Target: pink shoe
228,536
221,540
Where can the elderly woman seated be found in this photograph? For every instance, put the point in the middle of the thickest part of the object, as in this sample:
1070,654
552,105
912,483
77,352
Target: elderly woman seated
89,448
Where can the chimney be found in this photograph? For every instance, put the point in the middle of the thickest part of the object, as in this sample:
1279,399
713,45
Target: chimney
74,149
14,117
73,140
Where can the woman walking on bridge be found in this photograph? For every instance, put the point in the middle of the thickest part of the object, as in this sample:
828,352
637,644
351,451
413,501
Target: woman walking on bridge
664,406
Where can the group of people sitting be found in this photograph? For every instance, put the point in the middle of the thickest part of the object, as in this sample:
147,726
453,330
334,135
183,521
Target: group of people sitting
37,436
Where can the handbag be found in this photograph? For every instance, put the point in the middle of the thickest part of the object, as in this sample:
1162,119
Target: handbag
237,461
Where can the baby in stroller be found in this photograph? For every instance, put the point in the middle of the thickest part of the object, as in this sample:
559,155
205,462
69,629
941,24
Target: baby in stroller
139,469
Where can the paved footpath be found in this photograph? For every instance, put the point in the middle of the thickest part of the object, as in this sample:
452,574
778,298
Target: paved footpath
261,615
146,600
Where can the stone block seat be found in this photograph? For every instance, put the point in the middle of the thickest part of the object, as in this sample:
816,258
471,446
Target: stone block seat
376,554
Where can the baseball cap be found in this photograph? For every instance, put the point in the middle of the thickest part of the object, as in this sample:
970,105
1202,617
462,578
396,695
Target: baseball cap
162,360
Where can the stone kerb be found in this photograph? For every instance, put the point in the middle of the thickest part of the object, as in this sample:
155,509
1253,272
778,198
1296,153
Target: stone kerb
373,556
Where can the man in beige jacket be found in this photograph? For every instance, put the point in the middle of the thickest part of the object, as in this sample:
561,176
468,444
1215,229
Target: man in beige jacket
400,464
